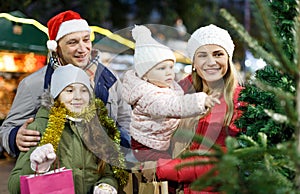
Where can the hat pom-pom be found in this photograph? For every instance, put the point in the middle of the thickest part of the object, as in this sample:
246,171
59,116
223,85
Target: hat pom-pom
140,31
52,45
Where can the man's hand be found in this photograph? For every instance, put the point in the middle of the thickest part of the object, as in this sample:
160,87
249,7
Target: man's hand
27,138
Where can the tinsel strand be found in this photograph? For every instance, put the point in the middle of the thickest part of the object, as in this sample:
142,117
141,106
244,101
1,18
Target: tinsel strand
118,170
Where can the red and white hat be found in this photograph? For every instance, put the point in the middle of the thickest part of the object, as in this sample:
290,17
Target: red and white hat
62,24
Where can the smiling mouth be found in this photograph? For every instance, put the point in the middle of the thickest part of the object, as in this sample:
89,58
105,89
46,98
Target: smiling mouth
76,104
81,56
212,70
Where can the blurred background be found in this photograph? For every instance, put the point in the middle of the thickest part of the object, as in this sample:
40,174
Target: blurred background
23,42
23,46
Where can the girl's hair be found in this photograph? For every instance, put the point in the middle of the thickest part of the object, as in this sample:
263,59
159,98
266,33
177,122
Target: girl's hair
231,80
101,166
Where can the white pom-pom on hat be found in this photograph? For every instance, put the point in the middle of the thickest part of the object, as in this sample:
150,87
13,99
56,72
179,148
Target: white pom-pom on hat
52,45
62,24
139,32
148,52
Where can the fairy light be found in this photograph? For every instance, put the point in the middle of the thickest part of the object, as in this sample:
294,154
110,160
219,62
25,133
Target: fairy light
44,29
112,36
94,29
25,21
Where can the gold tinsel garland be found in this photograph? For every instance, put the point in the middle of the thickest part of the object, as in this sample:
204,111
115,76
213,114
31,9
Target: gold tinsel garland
56,123
119,172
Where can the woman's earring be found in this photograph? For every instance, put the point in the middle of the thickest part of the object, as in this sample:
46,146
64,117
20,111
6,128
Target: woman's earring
193,69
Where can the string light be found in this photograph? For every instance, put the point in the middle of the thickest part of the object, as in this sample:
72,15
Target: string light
44,29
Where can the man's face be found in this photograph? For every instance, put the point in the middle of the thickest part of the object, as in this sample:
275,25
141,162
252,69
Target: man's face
75,48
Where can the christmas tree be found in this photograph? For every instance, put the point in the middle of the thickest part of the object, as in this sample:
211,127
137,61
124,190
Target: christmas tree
265,158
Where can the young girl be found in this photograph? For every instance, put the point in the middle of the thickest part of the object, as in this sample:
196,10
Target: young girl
62,115
157,100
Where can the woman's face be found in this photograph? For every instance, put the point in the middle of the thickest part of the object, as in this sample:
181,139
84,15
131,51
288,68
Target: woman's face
211,62
162,74
75,97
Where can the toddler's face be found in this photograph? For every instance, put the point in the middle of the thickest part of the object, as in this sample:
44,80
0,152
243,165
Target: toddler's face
75,97
162,74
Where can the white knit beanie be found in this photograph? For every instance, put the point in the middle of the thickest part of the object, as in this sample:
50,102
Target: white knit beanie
66,75
148,52
210,34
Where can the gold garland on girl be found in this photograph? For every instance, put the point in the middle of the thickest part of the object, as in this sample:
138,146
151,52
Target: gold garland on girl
56,123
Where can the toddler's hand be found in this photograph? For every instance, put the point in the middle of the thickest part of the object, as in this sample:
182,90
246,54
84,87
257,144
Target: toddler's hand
211,100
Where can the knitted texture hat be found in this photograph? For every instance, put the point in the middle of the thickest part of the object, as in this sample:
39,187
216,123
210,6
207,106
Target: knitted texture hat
210,34
66,75
62,24
148,52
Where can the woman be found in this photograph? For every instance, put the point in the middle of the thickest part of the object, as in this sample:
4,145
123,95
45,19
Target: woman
66,136
210,49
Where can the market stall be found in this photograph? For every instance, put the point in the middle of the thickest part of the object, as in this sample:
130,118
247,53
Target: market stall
22,51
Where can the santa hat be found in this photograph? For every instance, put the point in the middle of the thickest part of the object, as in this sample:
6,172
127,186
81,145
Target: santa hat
66,75
210,34
148,52
62,24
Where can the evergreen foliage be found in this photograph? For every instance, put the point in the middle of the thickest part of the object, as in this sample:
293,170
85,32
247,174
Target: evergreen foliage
264,159
273,87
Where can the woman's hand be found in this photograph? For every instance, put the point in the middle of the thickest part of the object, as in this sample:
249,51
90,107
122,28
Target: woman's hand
149,170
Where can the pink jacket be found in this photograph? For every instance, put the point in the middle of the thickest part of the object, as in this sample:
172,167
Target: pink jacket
157,111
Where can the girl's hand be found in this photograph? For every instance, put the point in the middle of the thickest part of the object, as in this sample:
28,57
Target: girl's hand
104,188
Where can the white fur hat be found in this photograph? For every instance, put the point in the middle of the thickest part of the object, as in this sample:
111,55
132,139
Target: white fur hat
66,75
210,34
148,52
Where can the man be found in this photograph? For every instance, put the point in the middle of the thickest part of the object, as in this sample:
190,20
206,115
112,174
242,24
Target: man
69,43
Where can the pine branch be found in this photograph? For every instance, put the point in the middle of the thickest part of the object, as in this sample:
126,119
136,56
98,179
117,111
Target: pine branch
253,44
246,37
285,97
199,162
276,43
297,41
297,126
